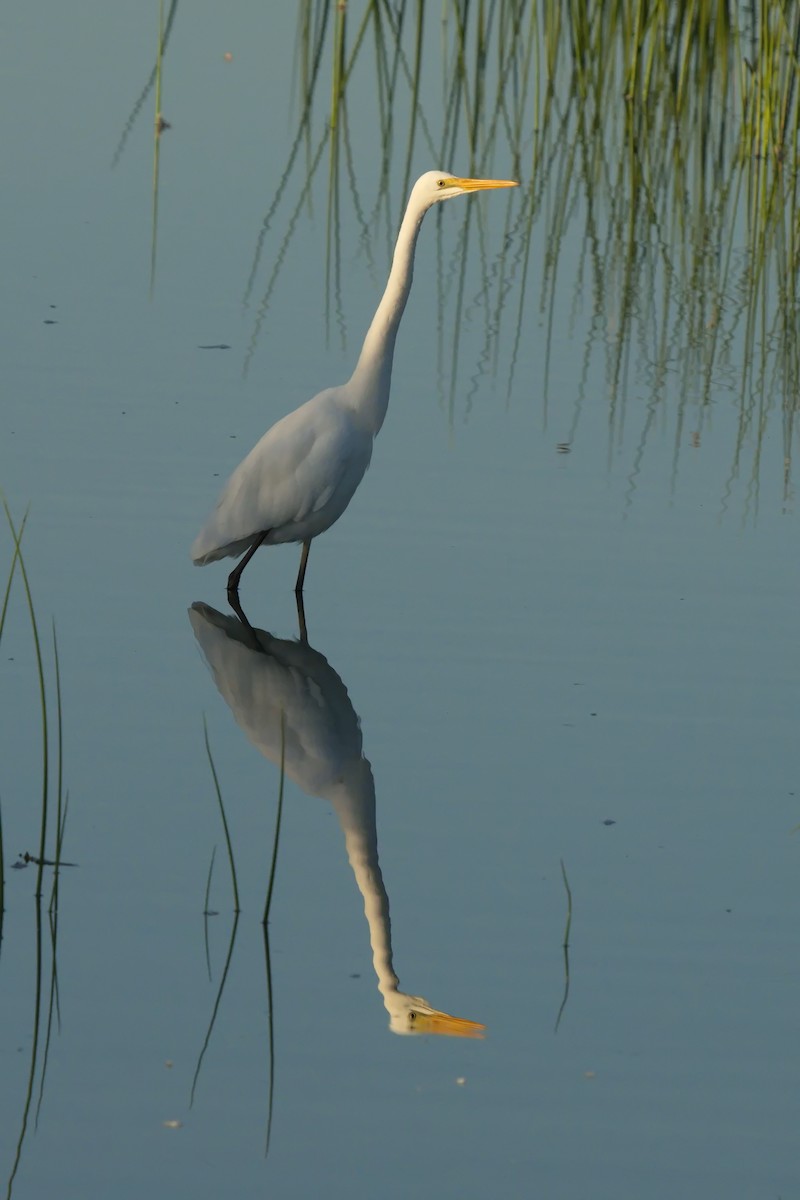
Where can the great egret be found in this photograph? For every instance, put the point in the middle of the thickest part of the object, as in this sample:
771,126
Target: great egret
295,709
303,473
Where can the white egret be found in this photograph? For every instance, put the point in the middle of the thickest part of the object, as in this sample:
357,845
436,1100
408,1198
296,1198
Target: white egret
303,473
295,710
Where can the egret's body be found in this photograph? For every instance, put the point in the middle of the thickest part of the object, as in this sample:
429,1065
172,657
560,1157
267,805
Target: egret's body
298,480
293,484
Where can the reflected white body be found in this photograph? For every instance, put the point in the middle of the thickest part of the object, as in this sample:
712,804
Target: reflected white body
287,698
301,476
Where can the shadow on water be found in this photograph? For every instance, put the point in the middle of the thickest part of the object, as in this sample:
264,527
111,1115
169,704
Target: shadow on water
661,140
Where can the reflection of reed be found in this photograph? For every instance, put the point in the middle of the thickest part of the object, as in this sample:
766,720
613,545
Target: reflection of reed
565,947
295,709
159,124
685,217
661,139
270,1035
232,941
45,719
52,792
662,136
225,829
392,41
53,1004
215,1007
148,87
41,1032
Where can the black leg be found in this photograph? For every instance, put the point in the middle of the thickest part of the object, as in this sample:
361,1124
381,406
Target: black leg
233,600
301,618
236,573
301,574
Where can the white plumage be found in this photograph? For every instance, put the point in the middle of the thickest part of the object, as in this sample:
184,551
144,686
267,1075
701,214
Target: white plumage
295,482
298,480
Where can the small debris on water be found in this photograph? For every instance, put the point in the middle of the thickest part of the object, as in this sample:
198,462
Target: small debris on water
172,1124
26,858
609,821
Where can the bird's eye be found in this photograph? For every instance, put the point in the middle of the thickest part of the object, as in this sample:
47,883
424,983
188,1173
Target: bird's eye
412,1016
440,183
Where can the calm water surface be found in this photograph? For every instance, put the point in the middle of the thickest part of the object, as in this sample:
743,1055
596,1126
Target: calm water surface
517,657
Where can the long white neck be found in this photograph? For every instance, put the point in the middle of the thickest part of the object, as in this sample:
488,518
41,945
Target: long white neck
355,808
371,380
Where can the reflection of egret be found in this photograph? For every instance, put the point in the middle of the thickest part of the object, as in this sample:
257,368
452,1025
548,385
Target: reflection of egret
263,678
303,473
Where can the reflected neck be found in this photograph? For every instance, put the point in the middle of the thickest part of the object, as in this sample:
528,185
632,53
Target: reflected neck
356,813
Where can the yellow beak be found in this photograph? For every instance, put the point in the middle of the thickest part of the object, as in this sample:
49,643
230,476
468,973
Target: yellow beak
478,185
443,1023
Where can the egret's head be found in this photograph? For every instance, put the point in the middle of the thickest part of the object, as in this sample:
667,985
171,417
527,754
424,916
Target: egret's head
441,185
413,1015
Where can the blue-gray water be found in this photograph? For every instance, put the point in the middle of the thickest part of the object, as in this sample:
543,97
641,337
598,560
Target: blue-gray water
588,657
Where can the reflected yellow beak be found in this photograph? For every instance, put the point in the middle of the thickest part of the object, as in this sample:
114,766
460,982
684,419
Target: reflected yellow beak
443,1023
479,185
